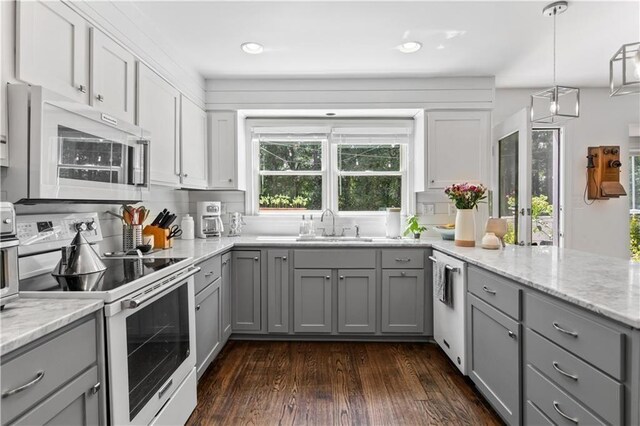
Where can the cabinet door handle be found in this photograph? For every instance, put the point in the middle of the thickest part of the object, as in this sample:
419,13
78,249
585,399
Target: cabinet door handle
230,180
402,259
100,98
556,366
342,277
185,175
197,307
39,376
488,290
256,258
556,407
564,330
402,274
327,277
208,274
95,388
82,88
512,335
284,258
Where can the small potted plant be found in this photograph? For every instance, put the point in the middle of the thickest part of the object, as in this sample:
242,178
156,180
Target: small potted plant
414,227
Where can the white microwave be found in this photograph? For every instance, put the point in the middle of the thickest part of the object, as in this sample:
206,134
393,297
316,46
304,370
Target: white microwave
60,150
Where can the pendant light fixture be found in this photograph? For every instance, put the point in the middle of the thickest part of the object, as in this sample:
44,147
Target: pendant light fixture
557,103
624,70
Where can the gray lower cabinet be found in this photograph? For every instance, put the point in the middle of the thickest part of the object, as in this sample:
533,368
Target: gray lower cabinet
356,300
225,285
494,357
246,291
73,404
312,300
208,326
403,300
56,379
278,291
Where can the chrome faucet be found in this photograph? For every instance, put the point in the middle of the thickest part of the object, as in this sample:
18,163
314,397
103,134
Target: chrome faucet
333,217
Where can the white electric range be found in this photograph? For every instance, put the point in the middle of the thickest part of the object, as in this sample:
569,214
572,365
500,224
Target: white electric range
149,318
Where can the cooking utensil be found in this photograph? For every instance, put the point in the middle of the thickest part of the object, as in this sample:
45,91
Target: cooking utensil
174,232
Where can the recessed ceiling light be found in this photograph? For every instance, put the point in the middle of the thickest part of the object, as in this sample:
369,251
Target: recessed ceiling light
409,47
440,47
252,48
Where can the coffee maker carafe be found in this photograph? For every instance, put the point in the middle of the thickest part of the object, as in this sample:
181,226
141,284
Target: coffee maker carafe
209,222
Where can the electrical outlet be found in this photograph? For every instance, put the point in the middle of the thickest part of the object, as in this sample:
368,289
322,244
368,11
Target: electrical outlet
429,208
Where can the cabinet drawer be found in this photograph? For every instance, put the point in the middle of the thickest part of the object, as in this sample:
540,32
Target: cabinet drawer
55,362
335,259
554,403
593,388
495,290
533,416
599,345
211,270
402,259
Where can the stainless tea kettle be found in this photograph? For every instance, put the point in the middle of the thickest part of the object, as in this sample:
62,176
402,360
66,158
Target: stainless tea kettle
80,267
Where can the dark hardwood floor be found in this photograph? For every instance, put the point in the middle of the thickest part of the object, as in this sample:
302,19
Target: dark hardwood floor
326,383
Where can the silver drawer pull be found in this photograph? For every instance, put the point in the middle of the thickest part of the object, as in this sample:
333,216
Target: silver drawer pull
327,277
556,407
208,274
556,366
197,307
26,386
95,388
100,98
564,330
165,388
403,259
342,277
256,258
82,88
488,290
284,258
512,335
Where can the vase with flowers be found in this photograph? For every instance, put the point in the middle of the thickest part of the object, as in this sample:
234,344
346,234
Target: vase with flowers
466,197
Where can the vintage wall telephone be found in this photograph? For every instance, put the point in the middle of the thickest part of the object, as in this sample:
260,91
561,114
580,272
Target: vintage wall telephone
603,173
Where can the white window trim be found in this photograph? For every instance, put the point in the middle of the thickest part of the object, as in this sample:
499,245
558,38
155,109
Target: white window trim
330,176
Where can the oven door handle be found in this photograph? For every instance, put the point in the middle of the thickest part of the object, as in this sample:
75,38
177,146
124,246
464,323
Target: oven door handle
159,288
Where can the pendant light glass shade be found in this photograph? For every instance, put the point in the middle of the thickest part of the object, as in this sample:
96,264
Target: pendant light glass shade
624,70
557,103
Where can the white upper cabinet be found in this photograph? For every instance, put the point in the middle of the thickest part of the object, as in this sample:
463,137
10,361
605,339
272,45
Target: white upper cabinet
193,142
457,148
113,77
158,109
52,48
226,158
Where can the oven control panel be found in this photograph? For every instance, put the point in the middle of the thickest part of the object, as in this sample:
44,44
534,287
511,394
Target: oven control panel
52,231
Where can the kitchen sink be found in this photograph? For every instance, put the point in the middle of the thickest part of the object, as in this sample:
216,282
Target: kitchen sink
334,239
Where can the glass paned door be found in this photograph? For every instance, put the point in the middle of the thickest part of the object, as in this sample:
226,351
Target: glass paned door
512,176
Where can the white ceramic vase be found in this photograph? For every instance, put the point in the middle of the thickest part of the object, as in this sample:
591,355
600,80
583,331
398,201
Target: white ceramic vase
465,235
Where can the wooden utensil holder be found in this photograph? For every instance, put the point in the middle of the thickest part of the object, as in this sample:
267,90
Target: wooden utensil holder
161,238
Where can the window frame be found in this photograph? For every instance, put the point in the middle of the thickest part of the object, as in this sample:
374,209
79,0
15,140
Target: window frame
633,152
330,174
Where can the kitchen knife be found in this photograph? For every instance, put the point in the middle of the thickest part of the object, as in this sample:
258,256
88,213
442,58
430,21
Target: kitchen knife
172,218
165,220
159,218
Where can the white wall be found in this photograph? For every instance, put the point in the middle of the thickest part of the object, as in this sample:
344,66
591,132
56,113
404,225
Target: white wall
603,227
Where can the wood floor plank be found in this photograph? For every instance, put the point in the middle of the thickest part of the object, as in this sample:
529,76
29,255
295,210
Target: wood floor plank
336,383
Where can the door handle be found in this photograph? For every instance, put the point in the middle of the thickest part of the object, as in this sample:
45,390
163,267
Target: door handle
488,290
82,88
556,367
165,388
100,98
556,407
564,330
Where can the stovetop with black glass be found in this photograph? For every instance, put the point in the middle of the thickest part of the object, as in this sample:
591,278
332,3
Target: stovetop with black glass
119,272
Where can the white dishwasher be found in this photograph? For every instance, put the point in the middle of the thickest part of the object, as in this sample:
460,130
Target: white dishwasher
449,319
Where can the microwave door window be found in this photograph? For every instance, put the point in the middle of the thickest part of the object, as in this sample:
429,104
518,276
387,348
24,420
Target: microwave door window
86,157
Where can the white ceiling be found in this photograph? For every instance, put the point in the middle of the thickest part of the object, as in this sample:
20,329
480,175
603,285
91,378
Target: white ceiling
510,39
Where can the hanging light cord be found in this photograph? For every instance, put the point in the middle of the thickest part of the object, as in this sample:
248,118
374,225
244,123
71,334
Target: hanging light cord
555,12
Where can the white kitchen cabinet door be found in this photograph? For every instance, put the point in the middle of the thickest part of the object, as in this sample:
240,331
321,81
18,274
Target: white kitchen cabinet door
226,158
457,147
112,77
52,48
158,108
193,142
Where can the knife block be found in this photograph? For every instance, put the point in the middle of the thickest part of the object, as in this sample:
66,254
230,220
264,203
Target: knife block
161,238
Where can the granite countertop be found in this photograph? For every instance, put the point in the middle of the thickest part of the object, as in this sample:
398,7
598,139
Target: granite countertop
605,285
26,320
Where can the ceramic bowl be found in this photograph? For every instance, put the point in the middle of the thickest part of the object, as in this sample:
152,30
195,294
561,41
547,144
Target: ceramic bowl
446,233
